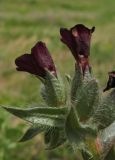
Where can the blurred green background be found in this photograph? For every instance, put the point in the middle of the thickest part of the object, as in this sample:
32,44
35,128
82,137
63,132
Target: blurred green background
22,24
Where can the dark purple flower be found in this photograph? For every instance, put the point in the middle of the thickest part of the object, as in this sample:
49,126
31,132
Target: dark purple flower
111,81
78,39
37,62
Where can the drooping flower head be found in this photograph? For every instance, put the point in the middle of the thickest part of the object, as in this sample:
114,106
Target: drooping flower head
78,39
111,81
37,62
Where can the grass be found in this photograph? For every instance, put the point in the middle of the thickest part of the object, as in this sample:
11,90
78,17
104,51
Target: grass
22,24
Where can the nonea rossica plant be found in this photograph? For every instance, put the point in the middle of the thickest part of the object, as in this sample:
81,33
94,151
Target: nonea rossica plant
82,115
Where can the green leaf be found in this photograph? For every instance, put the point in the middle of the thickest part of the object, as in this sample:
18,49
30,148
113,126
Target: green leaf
53,91
105,113
87,99
32,132
54,138
47,116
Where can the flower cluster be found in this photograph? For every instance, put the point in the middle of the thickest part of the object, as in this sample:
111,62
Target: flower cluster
77,38
84,118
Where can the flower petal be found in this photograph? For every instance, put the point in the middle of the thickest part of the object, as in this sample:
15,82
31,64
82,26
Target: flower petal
78,40
37,62
42,57
67,38
25,63
82,37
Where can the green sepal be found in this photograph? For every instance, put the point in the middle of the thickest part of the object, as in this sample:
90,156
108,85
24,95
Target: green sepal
68,78
105,113
87,75
54,137
71,128
111,155
107,139
78,133
32,132
48,116
76,82
53,91
87,99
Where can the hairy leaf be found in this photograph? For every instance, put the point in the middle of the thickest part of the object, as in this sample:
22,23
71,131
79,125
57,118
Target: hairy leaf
41,115
32,132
